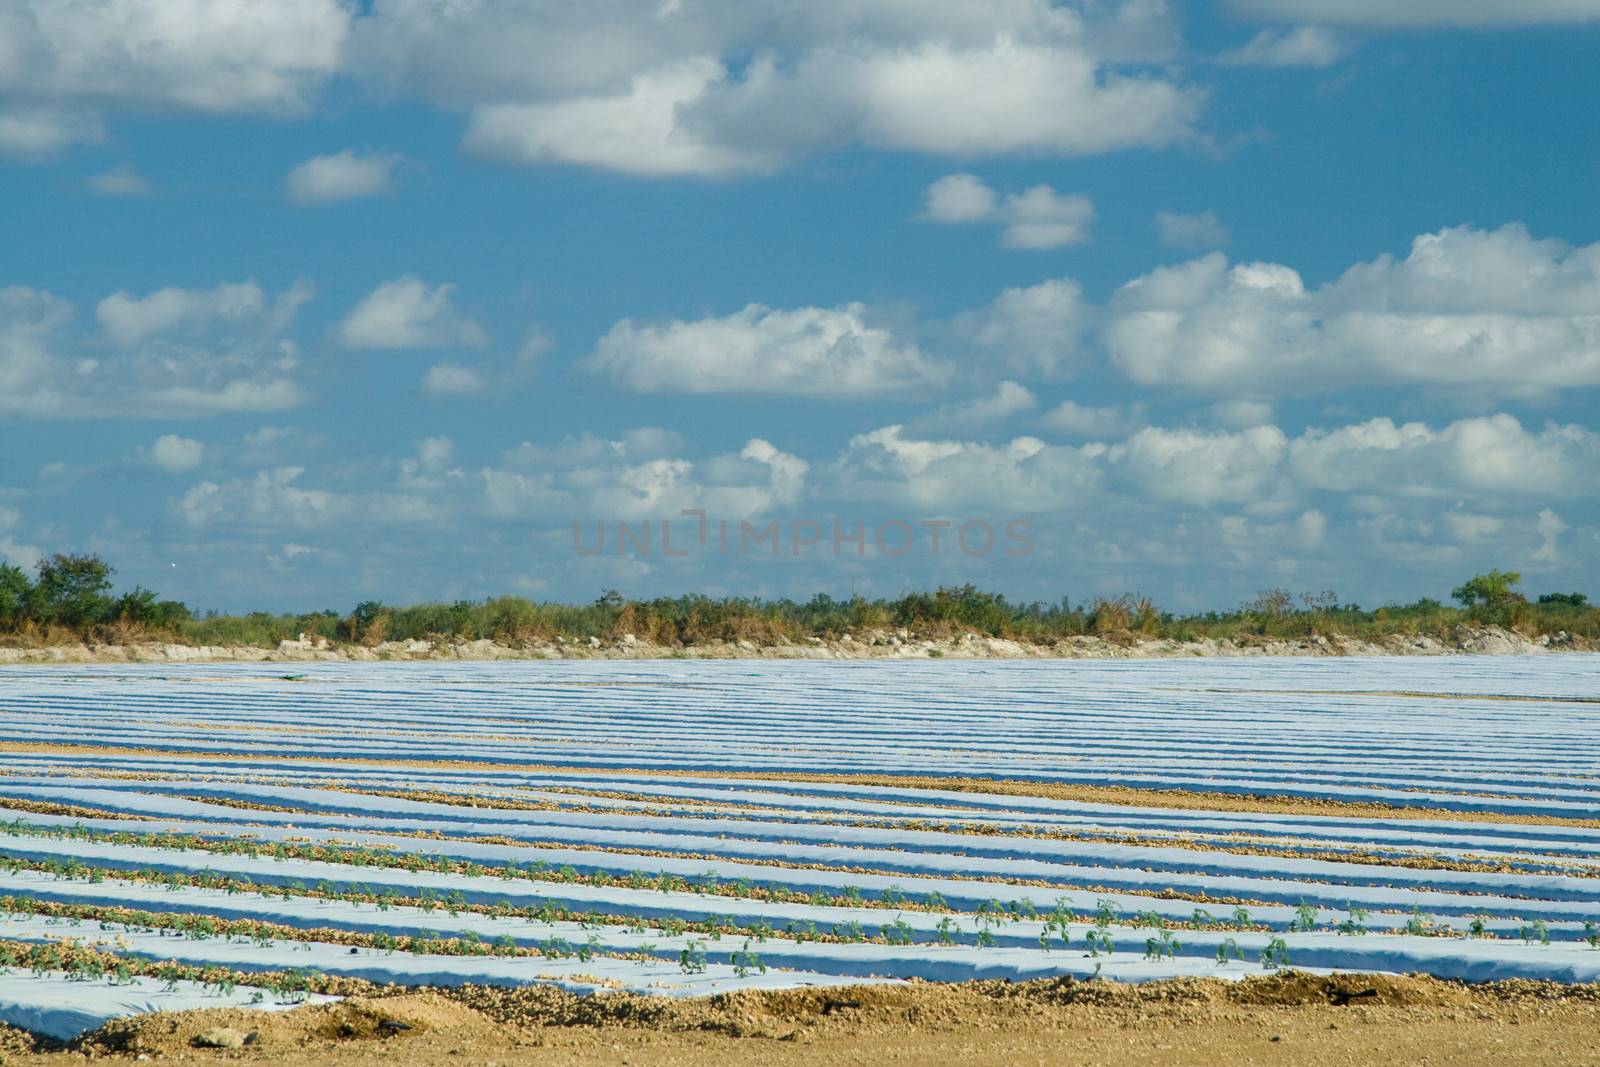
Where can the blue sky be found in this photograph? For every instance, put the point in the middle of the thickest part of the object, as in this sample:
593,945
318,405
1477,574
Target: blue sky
314,302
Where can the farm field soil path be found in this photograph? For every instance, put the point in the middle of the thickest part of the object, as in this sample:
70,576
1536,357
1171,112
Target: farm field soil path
1411,1021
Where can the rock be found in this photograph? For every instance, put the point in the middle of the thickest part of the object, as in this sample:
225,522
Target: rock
219,1037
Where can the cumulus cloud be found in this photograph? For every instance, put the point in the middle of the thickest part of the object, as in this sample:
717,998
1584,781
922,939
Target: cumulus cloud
1195,467
1038,218
121,180
1466,308
1486,456
128,320
219,56
723,88
345,175
710,89
1298,46
1412,13
636,130
942,476
1008,400
1034,331
819,352
37,133
172,353
1197,231
1080,420
175,454
1550,527
453,379
408,313
277,499
641,476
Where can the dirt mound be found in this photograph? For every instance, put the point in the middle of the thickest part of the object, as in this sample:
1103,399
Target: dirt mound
359,1019
1285,1019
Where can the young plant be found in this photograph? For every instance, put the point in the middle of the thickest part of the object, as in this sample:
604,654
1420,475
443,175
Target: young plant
692,960
1162,946
1229,949
1097,940
1354,922
744,961
1275,955
1535,932
1305,919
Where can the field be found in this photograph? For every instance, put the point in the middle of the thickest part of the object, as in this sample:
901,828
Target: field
182,837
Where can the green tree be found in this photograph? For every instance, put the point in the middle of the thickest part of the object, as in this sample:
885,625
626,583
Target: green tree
16,593
1491,598
73,590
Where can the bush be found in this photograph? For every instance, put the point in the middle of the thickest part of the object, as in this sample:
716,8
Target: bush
1490,598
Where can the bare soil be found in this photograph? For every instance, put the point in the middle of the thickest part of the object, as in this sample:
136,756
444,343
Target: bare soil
1292,1019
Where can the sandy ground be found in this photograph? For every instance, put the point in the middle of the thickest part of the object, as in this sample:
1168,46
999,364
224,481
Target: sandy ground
1295,1020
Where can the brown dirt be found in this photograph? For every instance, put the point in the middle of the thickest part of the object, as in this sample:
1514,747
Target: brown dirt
1287,1020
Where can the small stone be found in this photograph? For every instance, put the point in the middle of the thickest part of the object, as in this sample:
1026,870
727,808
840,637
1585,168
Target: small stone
219,1037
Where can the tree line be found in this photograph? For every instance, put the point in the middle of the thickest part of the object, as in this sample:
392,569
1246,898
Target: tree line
73,597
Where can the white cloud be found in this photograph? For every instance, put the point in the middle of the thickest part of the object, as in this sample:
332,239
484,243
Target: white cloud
175,353
1466,308
37,133
275,500
1397,13
1001,97
343,175
128,319
176,454
453,379
724,88
638,477
120,180
1298,46
1197,231
1009,399
1025,475
1035,331
1038,218
1311,528
1550,529
1079,420
205,55
1492,456
710,88
636,131
271,446
408,313
819,352
1194,467
960,198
